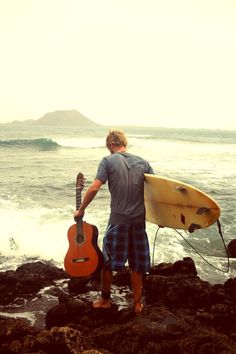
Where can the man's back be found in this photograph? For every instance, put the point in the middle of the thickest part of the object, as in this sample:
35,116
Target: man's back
125,175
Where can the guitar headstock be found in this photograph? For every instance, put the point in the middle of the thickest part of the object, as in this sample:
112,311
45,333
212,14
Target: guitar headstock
80,181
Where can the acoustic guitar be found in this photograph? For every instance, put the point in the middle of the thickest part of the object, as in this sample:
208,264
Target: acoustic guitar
83,257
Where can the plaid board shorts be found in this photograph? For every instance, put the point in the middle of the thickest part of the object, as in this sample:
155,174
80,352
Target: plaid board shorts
126,242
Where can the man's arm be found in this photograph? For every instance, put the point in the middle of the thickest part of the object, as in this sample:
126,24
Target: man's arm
88,197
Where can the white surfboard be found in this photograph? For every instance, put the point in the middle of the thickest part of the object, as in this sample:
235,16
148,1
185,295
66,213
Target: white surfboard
174,204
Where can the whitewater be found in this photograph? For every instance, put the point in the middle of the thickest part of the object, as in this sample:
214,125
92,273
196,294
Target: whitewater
38,169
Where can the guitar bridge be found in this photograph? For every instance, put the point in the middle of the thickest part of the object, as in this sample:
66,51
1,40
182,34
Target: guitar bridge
80,260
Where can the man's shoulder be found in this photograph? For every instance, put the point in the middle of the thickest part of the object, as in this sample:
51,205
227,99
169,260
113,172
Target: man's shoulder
129,157
134,157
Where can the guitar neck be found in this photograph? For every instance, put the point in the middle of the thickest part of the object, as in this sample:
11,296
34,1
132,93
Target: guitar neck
78,204
78,198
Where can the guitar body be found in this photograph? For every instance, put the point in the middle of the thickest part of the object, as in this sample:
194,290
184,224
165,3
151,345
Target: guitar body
83,257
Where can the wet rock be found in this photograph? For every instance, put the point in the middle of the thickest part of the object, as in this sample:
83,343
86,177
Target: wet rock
60,340
19,338
65,312
183,291
78,285
13,333
47,270
230,287
27,280
182,314
232,248
207,341
80,312
185,266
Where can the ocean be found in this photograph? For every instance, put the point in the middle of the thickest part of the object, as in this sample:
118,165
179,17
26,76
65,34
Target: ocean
38,169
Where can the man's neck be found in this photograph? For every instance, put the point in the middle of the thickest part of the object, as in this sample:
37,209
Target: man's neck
118,149
121,149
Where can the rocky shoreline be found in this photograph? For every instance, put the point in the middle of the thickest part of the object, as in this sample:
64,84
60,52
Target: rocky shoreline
182,314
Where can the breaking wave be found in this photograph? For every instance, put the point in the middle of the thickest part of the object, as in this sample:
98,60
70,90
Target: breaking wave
40,144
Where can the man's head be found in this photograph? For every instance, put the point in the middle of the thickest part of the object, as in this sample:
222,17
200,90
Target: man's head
116,140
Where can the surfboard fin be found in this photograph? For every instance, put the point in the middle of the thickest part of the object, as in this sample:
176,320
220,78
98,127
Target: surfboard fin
183,218
181,189
194,227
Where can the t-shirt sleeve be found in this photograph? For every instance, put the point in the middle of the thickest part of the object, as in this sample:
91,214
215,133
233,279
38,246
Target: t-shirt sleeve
149,169
102,171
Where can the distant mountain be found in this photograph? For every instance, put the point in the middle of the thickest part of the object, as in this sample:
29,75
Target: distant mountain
61,118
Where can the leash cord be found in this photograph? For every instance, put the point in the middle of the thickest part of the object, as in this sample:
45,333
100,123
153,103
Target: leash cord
211,265
154,245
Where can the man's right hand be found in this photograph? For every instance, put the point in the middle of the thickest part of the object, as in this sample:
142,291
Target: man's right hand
78,214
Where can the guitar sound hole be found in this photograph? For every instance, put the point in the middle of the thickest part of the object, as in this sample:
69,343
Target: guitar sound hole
80,238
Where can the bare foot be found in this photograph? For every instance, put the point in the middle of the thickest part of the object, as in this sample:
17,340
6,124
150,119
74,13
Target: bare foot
102,303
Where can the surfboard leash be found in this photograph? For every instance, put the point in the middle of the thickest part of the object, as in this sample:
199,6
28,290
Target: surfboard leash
154,245
205,260
223,241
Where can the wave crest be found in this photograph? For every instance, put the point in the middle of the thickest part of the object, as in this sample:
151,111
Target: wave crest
41,144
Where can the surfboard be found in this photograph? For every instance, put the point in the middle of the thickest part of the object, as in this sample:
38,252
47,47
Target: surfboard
178,205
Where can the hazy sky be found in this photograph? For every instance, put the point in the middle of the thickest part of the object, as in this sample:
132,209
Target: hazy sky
154,62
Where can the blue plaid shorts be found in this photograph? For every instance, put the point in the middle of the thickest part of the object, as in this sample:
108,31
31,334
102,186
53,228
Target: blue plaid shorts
126,242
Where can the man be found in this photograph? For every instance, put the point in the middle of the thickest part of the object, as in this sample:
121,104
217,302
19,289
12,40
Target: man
125,238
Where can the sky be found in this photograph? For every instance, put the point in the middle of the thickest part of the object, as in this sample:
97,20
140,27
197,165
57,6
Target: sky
169,63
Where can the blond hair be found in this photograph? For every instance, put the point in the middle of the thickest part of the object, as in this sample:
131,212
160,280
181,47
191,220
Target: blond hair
117,138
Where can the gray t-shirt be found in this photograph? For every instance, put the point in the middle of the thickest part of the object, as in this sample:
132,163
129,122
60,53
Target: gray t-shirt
125,175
